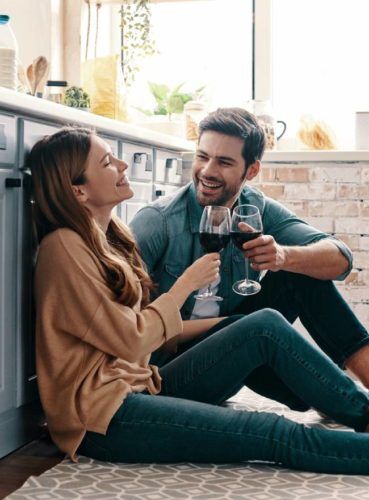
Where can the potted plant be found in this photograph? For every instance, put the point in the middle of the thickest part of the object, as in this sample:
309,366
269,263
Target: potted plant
76,97
171,101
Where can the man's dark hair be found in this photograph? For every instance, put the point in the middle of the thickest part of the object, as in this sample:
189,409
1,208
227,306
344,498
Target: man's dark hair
237,122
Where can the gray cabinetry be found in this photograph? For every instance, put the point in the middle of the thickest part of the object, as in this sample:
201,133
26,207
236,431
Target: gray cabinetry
20,410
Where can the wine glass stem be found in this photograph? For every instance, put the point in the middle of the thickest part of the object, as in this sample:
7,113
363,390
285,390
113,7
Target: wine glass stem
208,291
246,271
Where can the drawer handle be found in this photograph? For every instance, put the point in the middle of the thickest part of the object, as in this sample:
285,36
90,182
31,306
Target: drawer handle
160,192
13,183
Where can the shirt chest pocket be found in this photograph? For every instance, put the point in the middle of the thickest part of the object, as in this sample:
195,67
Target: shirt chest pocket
174,271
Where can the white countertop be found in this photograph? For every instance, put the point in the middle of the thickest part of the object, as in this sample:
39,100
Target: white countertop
12,101
16,102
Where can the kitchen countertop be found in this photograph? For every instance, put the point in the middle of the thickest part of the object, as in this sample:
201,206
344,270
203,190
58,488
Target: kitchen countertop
12,101
16,102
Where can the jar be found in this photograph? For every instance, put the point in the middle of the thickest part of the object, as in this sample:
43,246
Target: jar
55,90
8,54
265,115
194,113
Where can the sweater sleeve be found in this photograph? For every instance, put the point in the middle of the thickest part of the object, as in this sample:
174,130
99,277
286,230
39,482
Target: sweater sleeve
73,297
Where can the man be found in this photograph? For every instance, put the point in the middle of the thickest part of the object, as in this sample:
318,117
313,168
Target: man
300,262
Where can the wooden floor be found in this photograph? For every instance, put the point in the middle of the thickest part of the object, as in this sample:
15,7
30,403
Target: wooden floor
31,460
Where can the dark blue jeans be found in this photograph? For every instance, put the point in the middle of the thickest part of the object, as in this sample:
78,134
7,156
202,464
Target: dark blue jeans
184,423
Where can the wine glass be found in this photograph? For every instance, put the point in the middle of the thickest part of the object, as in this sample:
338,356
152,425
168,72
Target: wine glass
214,236
251,229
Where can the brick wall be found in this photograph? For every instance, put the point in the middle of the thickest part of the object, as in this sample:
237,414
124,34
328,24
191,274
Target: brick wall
333,197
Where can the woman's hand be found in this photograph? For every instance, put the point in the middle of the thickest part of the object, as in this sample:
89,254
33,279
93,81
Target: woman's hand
203,271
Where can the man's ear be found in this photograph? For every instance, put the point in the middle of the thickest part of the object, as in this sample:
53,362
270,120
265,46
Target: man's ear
80,193
253,170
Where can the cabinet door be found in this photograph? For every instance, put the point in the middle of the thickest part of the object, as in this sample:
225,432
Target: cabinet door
9,187
139,160
168,167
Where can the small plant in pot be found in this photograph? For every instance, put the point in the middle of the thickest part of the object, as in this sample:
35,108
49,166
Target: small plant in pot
76,97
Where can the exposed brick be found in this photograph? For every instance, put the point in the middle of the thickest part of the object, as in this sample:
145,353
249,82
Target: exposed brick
353,192
365,175
275,191
353,278
268,174
325,224
295,192
334,208
343,173
361,261
352,225
351,240
364,278
364,208
300,208
364,244
292,174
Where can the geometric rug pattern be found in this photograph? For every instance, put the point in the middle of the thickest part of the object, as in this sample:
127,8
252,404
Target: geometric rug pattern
91,479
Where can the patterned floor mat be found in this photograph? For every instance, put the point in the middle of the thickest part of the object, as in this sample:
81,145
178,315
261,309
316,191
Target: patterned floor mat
90,479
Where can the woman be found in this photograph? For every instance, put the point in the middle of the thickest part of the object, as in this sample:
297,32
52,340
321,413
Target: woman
96,330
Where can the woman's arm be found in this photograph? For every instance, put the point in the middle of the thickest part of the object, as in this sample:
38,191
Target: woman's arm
194,327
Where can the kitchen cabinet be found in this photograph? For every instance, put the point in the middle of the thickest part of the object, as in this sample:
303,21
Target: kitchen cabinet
21,125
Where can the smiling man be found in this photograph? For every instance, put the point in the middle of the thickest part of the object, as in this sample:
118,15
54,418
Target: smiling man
300,261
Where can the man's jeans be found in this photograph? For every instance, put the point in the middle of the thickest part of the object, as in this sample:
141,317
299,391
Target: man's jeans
184,423
320,307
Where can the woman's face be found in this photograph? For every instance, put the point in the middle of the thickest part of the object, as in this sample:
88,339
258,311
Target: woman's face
106,183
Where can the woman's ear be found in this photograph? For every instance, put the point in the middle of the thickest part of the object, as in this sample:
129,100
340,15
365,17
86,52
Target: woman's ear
80,193
253,170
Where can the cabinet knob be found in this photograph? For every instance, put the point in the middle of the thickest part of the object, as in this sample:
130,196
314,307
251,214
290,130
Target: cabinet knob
160,192
13,183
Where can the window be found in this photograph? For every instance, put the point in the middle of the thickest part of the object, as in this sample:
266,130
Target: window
200,43
320,62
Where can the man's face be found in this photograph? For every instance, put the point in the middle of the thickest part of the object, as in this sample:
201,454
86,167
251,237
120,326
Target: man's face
218,170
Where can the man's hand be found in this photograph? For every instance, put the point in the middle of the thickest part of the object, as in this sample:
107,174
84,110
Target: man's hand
264,253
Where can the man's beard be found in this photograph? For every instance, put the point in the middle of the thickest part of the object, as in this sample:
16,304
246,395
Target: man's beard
224,196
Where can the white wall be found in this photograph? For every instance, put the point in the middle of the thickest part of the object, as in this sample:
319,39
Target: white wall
36,25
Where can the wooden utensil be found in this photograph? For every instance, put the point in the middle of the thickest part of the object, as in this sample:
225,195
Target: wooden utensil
22,78
41,85
40,67
31,78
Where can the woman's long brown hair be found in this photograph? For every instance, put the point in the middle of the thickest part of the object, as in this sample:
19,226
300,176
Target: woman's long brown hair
57,163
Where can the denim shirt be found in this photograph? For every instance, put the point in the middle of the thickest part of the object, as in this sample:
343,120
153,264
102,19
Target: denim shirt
167,233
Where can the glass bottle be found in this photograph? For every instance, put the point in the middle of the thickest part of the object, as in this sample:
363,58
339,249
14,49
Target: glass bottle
8,54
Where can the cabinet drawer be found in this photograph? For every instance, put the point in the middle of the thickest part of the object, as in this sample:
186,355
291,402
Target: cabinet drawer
142,196
168,167
139,160
8,139
163,190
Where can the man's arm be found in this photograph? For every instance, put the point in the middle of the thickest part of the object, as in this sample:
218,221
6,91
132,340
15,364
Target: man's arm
322,260
290,244
149,229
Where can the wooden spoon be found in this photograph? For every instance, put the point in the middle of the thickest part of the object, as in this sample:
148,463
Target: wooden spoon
40,67
30,77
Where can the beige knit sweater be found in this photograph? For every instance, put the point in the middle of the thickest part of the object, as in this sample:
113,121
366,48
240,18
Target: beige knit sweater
91,351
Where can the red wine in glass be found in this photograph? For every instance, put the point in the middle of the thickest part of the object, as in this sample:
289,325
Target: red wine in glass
252,228
214,236
239,237
213,242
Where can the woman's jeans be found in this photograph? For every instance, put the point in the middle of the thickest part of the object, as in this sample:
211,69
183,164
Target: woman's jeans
184,423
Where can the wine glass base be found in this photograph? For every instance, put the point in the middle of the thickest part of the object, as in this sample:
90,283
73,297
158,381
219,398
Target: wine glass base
209,296
244,287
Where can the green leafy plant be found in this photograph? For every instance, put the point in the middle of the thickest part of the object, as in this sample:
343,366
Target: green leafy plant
137,41
76,97
170,101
